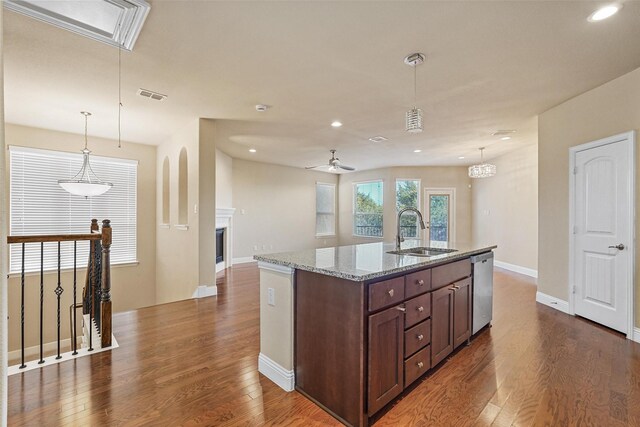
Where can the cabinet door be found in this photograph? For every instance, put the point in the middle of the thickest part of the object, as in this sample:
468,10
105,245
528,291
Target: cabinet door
386,347
461,312
442,302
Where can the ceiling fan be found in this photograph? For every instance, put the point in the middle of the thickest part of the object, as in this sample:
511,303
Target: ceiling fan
333,165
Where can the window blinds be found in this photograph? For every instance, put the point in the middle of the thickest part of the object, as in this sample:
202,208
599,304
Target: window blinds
38,205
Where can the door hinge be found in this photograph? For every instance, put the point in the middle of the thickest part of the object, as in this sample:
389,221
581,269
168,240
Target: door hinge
575,170
574,289
575,229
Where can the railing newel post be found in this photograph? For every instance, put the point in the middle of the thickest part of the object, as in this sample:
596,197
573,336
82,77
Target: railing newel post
105,294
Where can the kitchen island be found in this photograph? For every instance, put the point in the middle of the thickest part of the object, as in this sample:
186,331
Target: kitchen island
352,327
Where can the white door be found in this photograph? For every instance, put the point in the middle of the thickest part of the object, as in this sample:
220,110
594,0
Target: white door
603,231
439,209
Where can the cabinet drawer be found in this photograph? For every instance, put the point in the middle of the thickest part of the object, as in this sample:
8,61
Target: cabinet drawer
417,310
386,293
417,283
446,274
417,337
417,365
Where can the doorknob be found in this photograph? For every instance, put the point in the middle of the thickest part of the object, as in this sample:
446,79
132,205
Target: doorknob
619,247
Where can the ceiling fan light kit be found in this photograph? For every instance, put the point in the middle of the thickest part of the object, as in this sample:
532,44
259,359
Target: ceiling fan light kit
334,164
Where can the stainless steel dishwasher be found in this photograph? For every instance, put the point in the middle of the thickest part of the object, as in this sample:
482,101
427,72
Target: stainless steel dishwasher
482,290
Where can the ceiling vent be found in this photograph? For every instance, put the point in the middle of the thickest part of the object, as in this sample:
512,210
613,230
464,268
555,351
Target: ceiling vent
151,94
115,22
503,132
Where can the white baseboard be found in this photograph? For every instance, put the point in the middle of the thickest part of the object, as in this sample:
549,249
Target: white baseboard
552,302
636,335
516,268
243,260
205,291
283,378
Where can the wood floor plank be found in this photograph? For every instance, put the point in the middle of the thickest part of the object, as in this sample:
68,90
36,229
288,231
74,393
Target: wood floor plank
194,363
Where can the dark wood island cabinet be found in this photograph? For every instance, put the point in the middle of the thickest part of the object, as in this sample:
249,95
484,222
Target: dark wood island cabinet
360,344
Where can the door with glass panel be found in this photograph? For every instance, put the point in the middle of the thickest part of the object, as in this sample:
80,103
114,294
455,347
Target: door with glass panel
439,214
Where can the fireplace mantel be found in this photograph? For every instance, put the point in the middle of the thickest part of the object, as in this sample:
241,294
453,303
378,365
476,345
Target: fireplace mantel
224,219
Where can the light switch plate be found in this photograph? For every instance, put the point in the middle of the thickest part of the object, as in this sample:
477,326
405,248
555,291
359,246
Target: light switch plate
271,296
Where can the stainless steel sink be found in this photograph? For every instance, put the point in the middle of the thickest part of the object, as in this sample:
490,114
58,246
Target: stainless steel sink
423,251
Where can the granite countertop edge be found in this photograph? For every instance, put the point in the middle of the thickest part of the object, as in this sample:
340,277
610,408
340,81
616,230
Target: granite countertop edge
375,275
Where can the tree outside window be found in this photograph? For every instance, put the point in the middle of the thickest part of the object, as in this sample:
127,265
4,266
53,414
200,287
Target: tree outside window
367,217
407,196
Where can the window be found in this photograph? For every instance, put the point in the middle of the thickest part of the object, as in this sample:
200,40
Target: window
367,213
408,196
38,205
325,209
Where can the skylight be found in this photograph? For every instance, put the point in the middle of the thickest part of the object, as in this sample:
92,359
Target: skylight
108,21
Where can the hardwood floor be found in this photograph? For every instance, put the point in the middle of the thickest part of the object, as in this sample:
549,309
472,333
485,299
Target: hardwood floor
194,363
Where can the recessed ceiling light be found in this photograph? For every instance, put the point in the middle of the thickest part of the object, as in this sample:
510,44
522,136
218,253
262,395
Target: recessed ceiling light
604,12
417,151
336,124
505,138
461,157
378,139
252,150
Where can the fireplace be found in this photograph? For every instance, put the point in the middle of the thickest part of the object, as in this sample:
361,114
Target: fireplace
220,245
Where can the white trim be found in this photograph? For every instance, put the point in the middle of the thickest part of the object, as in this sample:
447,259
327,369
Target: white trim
553,302
203,291
516,268
51,360
630,137
164,225
283,378
181,227
225,212
243,260
452,209
221,266
275,267
636,335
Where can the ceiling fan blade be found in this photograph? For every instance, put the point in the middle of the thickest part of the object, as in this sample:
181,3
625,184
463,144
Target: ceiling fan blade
316,167
345,167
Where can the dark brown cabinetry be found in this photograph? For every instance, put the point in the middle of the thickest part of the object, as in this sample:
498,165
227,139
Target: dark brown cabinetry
386,342
359,345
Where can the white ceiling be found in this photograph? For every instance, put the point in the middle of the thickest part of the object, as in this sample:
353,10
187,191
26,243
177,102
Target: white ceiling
490,65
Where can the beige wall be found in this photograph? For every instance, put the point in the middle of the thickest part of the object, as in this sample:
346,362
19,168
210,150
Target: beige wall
177,248
505,208
224,180
207,203
604,111
279,208
133,285
430,177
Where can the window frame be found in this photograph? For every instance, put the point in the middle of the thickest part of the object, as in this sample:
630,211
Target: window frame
335,209
354,193
395,189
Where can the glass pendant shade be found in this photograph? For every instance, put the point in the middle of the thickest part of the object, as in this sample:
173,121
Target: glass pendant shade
414,120
483,170
85,182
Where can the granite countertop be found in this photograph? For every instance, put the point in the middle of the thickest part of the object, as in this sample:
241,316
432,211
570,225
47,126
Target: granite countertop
370,260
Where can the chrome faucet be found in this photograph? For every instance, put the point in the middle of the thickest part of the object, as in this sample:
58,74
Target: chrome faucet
399,238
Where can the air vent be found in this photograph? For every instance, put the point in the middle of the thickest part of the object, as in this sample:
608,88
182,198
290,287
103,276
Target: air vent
151,94
117,23
503,132
378,139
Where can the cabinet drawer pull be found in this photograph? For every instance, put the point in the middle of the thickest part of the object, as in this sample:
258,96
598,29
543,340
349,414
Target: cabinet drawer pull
420,337
390,292
421,309
402,309
420,365
420,282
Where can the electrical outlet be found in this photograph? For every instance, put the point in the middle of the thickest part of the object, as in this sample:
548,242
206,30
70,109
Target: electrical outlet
271,296
264,247
242,211
255,247
195,209
270,247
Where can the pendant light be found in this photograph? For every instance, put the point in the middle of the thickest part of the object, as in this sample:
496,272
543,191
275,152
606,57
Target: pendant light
85,183
483,170
414,116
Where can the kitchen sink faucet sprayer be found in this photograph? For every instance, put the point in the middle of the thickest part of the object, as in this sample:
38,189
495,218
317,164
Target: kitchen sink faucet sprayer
399,238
